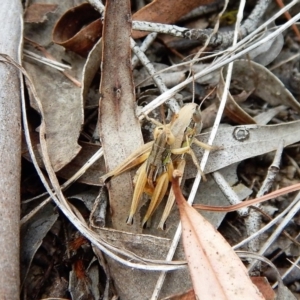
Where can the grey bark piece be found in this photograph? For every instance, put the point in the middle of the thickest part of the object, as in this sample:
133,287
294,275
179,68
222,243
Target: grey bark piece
60,98
241,142
140,283
10,151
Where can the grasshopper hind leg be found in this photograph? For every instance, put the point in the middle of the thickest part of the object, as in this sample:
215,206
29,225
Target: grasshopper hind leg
158,194
138,191
196,163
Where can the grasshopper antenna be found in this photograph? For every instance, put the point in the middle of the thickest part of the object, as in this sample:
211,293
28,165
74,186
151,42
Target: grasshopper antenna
193,99
206,97
162,114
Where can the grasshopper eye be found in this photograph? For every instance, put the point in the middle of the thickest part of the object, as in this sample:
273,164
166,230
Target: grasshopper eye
158,131
197,117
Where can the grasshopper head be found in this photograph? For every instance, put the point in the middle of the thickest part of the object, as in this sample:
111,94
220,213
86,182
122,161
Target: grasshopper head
197,117
166,132
158,131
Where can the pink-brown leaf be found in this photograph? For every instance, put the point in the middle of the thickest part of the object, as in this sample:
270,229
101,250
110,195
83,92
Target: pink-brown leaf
216,271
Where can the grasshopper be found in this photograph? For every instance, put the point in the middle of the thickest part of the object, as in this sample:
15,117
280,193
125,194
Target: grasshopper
186,125
154,169
154,157
159,158
190,124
